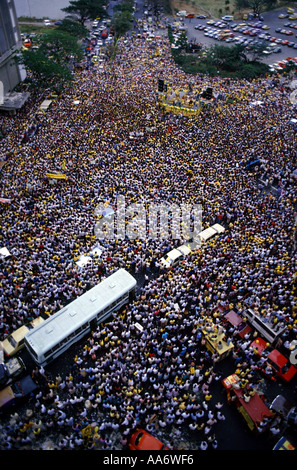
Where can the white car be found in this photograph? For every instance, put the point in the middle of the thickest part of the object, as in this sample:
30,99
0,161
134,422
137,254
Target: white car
47,23
228,18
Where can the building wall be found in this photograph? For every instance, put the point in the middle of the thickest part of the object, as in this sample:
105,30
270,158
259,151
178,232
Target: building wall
10,41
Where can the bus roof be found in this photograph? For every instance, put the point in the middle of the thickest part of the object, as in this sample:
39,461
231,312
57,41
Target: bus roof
80,311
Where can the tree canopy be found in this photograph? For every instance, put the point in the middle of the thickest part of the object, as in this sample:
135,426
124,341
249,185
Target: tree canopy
221,60
74,28
50,65
122,19
83,10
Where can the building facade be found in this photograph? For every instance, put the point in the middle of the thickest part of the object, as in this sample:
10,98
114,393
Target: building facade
11,73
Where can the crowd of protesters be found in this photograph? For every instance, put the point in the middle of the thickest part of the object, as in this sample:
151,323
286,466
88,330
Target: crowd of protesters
110,135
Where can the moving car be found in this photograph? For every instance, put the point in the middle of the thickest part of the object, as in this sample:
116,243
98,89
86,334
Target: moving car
16,393
142,440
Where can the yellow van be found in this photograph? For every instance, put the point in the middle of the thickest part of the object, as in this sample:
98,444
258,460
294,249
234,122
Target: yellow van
14,342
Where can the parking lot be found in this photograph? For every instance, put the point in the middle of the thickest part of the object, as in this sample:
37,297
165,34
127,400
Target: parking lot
278,30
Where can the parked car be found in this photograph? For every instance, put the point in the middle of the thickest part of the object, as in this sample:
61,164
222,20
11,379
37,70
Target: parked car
17,393
228,18
10,370
14,342
142,440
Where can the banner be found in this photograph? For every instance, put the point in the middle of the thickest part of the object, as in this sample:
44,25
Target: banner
59,176
181,110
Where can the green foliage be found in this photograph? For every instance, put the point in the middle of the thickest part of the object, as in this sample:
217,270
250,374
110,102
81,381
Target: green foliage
45,72
74,28
83,10
125,6
121,23
121,20
221,60
59,44
50,65
182,42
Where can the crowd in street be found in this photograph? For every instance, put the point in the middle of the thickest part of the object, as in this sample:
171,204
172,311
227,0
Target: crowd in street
109,134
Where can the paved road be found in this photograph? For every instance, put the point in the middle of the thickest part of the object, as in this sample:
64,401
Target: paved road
271,19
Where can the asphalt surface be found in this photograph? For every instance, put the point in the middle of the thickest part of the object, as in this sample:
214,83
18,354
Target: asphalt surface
271,19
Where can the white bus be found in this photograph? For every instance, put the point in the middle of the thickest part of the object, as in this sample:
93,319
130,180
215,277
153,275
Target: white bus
57,333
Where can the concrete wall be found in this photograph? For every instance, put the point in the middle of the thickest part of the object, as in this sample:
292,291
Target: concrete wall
10,41
11,75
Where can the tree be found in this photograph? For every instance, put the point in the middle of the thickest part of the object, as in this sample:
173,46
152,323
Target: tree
221,60
83,10
59,45
44,72
256,6
182,42
125,6
50,66
121,23
74,28
257,50
241,4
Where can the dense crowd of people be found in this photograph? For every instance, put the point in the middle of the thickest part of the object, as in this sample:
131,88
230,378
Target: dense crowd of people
110,135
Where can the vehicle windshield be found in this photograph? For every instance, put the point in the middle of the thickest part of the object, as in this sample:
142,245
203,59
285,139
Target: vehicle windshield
12,341
285,368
